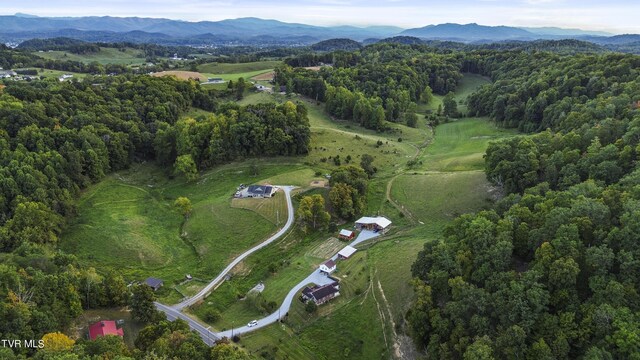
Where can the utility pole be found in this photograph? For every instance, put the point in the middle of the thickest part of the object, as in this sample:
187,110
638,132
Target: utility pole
232,330
209,335
277,217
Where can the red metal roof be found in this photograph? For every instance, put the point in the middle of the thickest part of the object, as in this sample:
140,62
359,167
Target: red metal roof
103,328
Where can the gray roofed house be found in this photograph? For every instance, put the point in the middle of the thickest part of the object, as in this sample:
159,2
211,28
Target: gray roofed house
260,191
154,283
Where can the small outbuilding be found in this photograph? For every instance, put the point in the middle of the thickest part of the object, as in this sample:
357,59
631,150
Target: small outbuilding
346,252
154,283
328,267
377,224
346,234
104,328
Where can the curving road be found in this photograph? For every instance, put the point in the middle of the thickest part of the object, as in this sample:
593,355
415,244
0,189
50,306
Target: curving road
175,312
211,285
315,278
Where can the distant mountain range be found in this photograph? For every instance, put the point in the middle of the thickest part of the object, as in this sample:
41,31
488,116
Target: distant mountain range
254,31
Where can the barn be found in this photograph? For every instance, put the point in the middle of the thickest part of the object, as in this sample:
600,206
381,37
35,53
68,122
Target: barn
377,224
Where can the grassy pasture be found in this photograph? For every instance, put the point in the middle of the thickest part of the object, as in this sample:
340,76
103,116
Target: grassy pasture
104,56
460,145
127,222
437,198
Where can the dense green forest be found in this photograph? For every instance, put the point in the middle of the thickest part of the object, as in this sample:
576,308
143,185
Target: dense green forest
553,271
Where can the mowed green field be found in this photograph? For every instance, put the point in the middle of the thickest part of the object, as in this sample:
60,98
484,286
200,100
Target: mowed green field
105,56
460,145
127,222
437,198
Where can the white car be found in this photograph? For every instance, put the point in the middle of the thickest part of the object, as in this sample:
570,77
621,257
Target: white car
252,323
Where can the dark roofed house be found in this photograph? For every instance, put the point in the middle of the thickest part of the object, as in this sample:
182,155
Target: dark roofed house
321,294
154,283
260,191
104,328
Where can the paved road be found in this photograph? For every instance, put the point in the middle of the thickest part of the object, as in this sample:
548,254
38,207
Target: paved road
194,299
315,278
175,311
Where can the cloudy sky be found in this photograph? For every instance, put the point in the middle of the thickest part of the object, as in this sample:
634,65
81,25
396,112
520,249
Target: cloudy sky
618,16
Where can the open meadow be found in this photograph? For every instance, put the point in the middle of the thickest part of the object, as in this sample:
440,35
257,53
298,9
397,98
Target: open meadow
127,56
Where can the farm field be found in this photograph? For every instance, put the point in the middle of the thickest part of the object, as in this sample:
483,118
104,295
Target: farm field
236,68
104,56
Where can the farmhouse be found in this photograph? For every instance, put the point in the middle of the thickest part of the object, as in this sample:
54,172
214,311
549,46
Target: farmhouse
328,267
154,283
346,234
321,294
258,191
377,224
346,252
260,87
216,80
104,328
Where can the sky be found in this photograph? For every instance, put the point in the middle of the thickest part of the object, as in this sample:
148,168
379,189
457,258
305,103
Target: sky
616,16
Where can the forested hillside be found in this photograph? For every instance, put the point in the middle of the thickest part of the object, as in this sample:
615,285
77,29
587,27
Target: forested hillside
381,82
553,271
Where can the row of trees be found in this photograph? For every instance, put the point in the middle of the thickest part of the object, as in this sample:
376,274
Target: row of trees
552,272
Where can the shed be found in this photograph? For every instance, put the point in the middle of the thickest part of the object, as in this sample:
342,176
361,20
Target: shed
154,283
104,328
346,252
346,234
